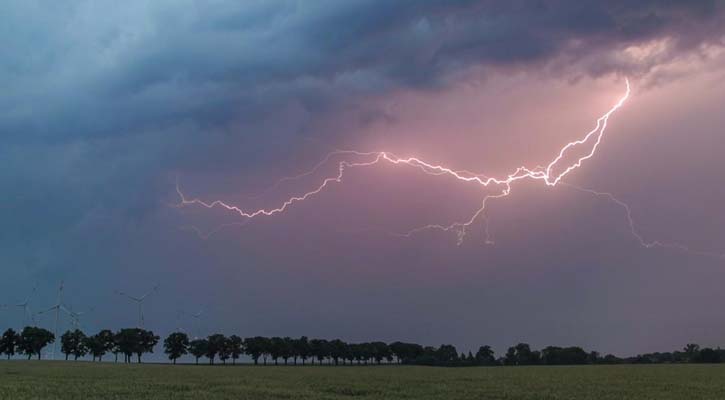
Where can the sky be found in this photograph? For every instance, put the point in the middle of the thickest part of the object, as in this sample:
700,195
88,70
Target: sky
105,107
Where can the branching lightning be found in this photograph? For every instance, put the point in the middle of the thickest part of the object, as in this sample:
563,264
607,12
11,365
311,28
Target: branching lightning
551,175
633,226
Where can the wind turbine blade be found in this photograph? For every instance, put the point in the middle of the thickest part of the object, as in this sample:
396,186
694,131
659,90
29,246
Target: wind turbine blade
153,290
49,309
129,296
67,311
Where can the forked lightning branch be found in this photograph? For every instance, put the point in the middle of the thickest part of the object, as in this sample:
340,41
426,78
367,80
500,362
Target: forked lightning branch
570,157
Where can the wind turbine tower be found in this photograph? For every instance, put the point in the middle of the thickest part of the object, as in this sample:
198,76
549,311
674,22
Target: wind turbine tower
58,307
139,301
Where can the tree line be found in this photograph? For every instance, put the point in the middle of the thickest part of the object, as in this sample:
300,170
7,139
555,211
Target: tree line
131,342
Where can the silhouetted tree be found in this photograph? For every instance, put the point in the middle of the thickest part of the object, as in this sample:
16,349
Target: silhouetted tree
708,355
266,344
116,346
447,354
135,341
9,342
485,356
176,345
276,348
356,352
125,341
406,353
692,350
74,342
146,344
337,349
236,347
553,355
302,349
107,338
288,349
380,352
319,349
198,348
66,344
96,346
216,344
254,347
521,354
33,340
610,359
225,351
349,353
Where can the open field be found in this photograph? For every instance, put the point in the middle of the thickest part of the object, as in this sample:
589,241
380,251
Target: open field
74,380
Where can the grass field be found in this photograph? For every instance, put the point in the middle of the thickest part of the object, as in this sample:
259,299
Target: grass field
76,380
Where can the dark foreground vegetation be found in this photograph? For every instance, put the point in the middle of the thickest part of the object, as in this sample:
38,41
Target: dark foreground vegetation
24,380
137,342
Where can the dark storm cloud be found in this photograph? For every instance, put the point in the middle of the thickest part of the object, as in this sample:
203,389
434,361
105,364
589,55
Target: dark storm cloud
132,90
69,75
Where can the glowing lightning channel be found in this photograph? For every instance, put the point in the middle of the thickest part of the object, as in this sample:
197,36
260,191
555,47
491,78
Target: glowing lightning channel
546,174
633,227
543,173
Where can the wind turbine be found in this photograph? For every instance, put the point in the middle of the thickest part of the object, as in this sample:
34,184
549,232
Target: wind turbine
25,305
58,307
76,317
179,322
197,317
139,301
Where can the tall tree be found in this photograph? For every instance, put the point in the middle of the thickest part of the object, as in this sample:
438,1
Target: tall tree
66,344
225,351
9,342
406,353
96,346
381,352
198,348
105,338
692,350
337,350
216,344
236,347
176,345
302,349
74,343
125,340
485,356
288,349
254,348
136,341
116,346
147,342
276,348
34,339
553,355
357,352
320,349
266,346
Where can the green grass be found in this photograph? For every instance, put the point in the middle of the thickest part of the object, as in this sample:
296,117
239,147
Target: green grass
81,380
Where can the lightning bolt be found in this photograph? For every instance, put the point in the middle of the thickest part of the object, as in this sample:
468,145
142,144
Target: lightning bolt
551,175
633,226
